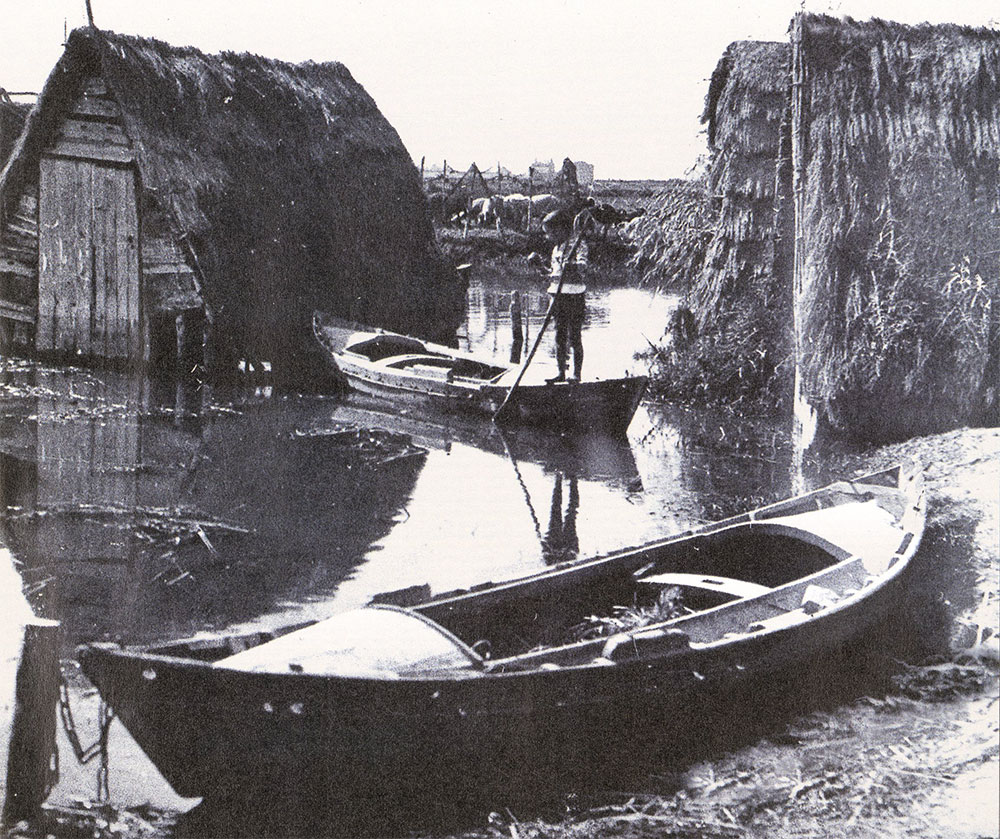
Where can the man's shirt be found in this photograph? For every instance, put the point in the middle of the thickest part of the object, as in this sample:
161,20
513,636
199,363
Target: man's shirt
573,282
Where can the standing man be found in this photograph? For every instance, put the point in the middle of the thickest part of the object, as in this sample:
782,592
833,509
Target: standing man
569,263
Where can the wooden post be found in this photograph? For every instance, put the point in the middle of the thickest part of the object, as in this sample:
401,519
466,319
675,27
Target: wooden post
804,421
32,729
424,157
499,177
516,328
531,177
526,308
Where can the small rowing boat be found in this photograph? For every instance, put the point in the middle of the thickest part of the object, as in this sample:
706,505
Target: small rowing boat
472,687
400,367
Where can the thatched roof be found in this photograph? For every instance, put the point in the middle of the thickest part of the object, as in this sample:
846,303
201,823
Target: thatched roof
291,188
902,221
745,109
671,237
12,117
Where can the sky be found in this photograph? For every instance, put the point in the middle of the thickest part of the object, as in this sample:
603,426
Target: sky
618,83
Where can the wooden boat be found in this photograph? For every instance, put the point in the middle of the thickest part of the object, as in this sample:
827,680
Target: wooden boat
399,367
394,700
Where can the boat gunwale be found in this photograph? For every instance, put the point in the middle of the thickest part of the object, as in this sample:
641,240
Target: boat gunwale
491,671
709,529
358,336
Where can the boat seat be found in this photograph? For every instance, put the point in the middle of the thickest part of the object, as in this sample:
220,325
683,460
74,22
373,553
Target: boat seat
423,359
706,582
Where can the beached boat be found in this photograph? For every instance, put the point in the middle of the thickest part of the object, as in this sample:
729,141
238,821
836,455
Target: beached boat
523,678
399,367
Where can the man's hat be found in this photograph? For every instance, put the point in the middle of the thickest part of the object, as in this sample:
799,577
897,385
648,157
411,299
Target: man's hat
559,221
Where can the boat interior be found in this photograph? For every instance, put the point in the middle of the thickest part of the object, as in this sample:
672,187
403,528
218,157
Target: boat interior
713,588
747,579
399,352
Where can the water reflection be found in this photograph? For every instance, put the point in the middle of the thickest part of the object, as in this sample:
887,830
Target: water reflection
141,519
619,322
561,542
143,513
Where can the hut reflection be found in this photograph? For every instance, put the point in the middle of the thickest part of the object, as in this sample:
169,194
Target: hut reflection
141,512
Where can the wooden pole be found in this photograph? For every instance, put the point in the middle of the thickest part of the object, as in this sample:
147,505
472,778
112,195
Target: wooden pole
422,169
531,177
90,15
804,418
526,306
798,191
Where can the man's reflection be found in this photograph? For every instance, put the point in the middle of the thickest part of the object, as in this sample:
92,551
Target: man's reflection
561,542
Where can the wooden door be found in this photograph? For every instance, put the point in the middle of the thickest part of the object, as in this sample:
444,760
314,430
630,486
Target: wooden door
88,267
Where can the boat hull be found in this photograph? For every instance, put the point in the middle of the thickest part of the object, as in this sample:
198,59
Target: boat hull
324,741
224,733
606,405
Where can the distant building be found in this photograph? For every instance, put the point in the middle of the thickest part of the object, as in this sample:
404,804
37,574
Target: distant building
543,173
584,173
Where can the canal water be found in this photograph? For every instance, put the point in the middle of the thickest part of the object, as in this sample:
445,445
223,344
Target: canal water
142,512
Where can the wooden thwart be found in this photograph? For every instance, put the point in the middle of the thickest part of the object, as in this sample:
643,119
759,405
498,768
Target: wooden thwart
723,585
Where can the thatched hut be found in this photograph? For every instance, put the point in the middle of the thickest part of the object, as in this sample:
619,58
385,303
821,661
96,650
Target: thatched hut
737,258
159,193
897,137
745,111
855,178
671,237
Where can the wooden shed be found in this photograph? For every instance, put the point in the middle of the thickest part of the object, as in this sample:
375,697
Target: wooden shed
167,208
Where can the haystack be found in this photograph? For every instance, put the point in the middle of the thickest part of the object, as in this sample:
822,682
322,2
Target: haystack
854,179
745,111
278,189
740,291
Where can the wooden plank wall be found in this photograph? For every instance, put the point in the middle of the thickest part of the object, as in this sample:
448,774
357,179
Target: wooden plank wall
165,267
19,269
89,300
92,128
82,288
88,280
